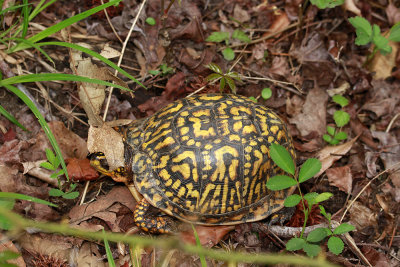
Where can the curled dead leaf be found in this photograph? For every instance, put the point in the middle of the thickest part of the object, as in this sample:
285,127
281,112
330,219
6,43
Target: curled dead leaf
340,177
105,139
80,170
329,154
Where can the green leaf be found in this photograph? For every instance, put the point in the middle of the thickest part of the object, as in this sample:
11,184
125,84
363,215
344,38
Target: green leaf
234,75
56,174
323,196
380,41
363,30
292,200
395,33
341,136
11,118
330,130
71,195
322,4
280,182
343,228
323,212
47,165
151,21
154,72
241,36
335,245
310,168
310,197
218,37
51,157
311,249
266,93
282,158
214,67
213,76
222,84
54,192
228,54
341,118
317,235
295,244
327,138
252,98
231,84
341,100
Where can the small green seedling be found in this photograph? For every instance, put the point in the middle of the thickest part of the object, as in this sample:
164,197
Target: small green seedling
266,94
164,70
367,33
218,37
322,4
151,21
311,167
225,78
341,117
53,164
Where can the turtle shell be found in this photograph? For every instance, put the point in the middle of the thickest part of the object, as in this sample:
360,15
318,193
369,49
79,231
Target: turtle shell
205,159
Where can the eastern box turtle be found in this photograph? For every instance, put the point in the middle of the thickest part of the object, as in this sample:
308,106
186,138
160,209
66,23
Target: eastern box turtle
202,159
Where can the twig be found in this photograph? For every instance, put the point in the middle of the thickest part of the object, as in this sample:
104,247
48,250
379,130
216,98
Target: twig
122,55
111,25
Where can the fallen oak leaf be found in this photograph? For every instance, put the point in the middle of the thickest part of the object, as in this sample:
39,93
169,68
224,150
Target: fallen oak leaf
208,235
330,154
81,170
341,177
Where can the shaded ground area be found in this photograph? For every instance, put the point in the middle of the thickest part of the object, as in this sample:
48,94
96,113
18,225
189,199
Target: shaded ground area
303,54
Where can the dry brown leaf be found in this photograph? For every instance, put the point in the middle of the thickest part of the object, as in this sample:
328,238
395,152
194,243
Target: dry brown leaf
392,13
361,216
55,246
383,65
330,154
240,14
209,235
105,139
81,170
33,168
351,6
102,208
92,95
313,117
341,177
109,52
376,258
89,256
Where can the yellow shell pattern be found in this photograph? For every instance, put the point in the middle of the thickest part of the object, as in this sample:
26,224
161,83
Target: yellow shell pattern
205,159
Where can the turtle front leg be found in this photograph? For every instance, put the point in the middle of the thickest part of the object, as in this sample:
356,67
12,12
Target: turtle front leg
151,223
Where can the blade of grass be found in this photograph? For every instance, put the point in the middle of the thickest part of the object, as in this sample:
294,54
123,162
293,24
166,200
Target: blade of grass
95,55
11,118
42,122
110,258
25,197
54,77
198,244
25,14
63,24
30,44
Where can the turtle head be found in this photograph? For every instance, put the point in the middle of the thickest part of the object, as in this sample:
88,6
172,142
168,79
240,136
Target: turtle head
99,161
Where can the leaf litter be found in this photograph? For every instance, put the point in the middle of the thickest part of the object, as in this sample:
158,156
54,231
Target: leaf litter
318,59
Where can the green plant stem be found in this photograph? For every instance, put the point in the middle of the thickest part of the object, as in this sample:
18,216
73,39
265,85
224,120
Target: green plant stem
306,212
19,224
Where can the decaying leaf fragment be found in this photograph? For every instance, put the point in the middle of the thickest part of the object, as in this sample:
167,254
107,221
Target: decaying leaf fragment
92,95
105,139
